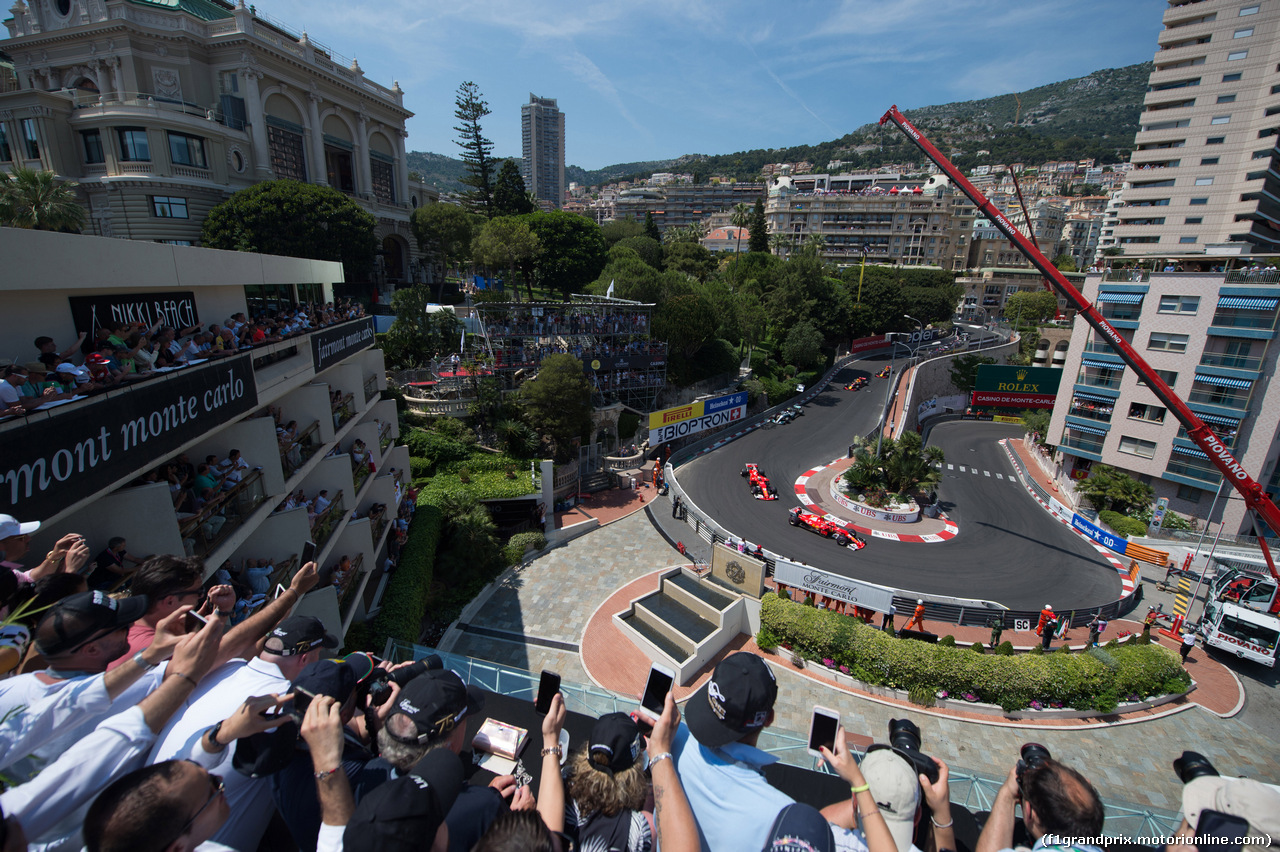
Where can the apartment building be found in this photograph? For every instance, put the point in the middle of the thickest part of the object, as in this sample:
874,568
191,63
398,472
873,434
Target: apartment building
542,146
682,205
89,465
160,109
987,290
907,222
1205,174
1210,335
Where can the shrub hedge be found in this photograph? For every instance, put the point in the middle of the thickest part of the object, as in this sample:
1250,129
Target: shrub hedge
406,595
1122,524
1082,681
520,542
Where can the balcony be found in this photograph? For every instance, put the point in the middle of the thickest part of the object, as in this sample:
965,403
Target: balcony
1091,411
1101,349
370,388
327,521
343,408
1200,471
1107,379
295,454
204,530
1238,402
1135,276
1234,362
1253,276
1079,443
1265,320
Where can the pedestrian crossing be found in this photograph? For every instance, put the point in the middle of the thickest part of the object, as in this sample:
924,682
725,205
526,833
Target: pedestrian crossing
973,471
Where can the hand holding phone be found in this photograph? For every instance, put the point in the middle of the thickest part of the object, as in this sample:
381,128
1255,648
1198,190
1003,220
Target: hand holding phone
656,688
822,730
193,622
548,686
308,552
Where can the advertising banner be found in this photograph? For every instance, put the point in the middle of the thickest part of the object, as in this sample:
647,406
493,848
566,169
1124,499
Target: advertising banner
864,343
53,463
606,363
329,346
672,423
177,309
1014,400
835,586
1101,536
1026,380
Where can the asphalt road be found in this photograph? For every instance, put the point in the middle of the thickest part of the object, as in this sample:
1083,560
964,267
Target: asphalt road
1009,549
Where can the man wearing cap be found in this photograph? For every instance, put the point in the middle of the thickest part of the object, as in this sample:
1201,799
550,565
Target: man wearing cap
717,759
1243,798
410,813
13,390
192,734
69,554
1056,800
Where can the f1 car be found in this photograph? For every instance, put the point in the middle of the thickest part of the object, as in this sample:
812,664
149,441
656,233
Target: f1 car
786,415
798,517
857,384
884,374
760,487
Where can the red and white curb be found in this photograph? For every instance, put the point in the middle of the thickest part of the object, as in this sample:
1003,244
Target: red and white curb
950,531
1126,583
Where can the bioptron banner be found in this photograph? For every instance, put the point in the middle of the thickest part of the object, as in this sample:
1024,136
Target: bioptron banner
672,423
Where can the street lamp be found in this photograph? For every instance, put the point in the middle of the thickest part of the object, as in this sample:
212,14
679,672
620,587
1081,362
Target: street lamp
921,326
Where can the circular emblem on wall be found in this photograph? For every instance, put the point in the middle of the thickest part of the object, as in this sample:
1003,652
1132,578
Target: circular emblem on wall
735,573
235,159
595,365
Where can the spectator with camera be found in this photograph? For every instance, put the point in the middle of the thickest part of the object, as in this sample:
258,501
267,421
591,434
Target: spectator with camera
1216,807
1059,806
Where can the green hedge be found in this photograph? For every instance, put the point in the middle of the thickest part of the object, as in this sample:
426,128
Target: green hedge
1121,524
520,542
1082,681
404,602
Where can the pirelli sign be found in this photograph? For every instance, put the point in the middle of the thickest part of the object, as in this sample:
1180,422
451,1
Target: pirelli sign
700,416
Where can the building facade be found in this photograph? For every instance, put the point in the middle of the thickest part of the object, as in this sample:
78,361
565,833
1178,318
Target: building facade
1205,174
682,205
1211,335
95,465
542,144
160,109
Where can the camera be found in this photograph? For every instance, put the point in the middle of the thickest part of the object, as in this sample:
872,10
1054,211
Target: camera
904,739
1192,765
380,680
1030,756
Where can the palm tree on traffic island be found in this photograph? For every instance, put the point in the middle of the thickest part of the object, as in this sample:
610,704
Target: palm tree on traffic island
905,466
37,200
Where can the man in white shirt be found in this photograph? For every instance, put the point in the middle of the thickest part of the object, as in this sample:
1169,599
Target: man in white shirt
193,735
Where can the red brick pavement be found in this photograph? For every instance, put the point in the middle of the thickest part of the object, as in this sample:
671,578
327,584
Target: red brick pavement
607,506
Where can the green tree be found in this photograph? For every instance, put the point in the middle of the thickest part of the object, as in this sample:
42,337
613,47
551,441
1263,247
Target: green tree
620,229
651,227
443,231
803,346
758,229
509,195
37,200
557,402
1065,262
904,465
416,337
295,219
685,323
964,371
506,243
477,151
571,250
1037,420
690,258
1109,488
740,218
1029,307
649,249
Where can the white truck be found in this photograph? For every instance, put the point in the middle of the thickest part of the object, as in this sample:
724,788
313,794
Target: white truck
1238,617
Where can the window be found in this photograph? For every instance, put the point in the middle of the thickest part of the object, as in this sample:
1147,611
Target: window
1187,240
1263,154
133,145
92,146
287,158
340,169
383,177
1215,140
1255,175
187,150
30,138
1137,447
1153,202
1150,413
1208,161
1226,99
1176,84
1167,125
1190,493
175,242
1239,54
1169,377
1249,10
166,207
1179,304
1198,201
1270,131
1130,240
1204,181
1220,119
1231,78
1168,342
1272,110
1194,220
1148,184
6,153
1244,33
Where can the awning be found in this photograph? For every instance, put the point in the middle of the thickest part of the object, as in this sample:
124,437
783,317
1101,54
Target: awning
1191,452
1121,298
1224,382
1089,429
1219,421
1245,303
1101,365
1094,397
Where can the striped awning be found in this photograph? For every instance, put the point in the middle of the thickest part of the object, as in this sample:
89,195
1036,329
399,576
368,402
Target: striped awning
1219,421
1101,365
1190,452
1224,382
1121,298
1087,429
1094,397
1246,303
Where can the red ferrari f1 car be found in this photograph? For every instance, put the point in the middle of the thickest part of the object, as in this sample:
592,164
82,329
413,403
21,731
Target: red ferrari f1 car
760,487
843,537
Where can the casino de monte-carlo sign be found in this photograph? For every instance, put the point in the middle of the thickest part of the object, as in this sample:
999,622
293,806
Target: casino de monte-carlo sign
53,461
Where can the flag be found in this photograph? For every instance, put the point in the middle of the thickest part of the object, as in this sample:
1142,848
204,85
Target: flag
609,293
462,341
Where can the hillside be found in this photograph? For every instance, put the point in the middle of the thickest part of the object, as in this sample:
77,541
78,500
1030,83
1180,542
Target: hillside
1093,116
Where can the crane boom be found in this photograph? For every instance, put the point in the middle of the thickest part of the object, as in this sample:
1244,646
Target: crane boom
1255,498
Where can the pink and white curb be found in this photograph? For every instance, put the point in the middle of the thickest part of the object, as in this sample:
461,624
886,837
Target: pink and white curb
950,531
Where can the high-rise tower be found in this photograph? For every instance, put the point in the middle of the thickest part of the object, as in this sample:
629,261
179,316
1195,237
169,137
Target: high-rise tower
542,140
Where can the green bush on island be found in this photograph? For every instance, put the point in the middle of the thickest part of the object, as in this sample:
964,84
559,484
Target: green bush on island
1121,524
1082,681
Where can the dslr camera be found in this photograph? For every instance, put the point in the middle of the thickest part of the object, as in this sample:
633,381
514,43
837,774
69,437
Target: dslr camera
1192,765
904,740
1030,756
378,684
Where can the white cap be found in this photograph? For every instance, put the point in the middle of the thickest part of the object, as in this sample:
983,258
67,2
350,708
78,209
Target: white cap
11,526
919,600
896,789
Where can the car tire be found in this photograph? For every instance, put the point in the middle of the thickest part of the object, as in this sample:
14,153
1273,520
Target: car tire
793,522
843,541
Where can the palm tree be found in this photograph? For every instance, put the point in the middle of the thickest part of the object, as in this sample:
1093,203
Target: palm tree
741,217
38,200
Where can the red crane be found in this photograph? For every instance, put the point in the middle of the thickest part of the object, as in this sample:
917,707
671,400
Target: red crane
1257,500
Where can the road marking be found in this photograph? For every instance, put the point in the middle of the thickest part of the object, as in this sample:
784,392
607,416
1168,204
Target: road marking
962,468
951,467
986,473
998,476
974,471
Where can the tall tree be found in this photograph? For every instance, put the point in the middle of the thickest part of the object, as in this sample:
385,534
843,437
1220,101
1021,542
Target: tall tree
571,250
758,229
443,231
505,243
477,151
1031,306
557,402
417,336
509,195
741,218
38,200
651,227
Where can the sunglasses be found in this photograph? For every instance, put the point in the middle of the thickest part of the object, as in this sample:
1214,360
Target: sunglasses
216,787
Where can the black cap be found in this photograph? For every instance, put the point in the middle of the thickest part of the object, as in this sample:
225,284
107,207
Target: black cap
436,702
334,678
406,813
800,828
298,635
735,702
76,619
615,743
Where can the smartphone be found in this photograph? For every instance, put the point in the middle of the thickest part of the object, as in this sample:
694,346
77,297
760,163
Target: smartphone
301,701
659,684
308,553
1219,832
548,686
280,590
193,621
822,730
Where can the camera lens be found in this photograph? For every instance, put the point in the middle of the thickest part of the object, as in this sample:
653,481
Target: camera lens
904,734
1033,754
1192,765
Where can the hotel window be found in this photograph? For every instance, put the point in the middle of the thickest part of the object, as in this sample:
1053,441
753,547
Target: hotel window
1187,240
133,145
1226,99
287,159
1194,220
93,146
1179,304
1249,10
1190,494
1150,413
1215,140
1239,54
1244,33
1209,161
6,153
166,207
1137,447
30,139
382,176
1231,78
1198,201
1169,377
1168,342
187,150
1220,119
1204,181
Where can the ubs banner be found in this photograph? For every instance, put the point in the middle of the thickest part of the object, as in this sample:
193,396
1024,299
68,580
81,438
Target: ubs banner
835,586
672,423
331,345
177,309
53,463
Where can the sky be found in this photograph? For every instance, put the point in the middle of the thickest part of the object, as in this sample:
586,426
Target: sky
655,79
